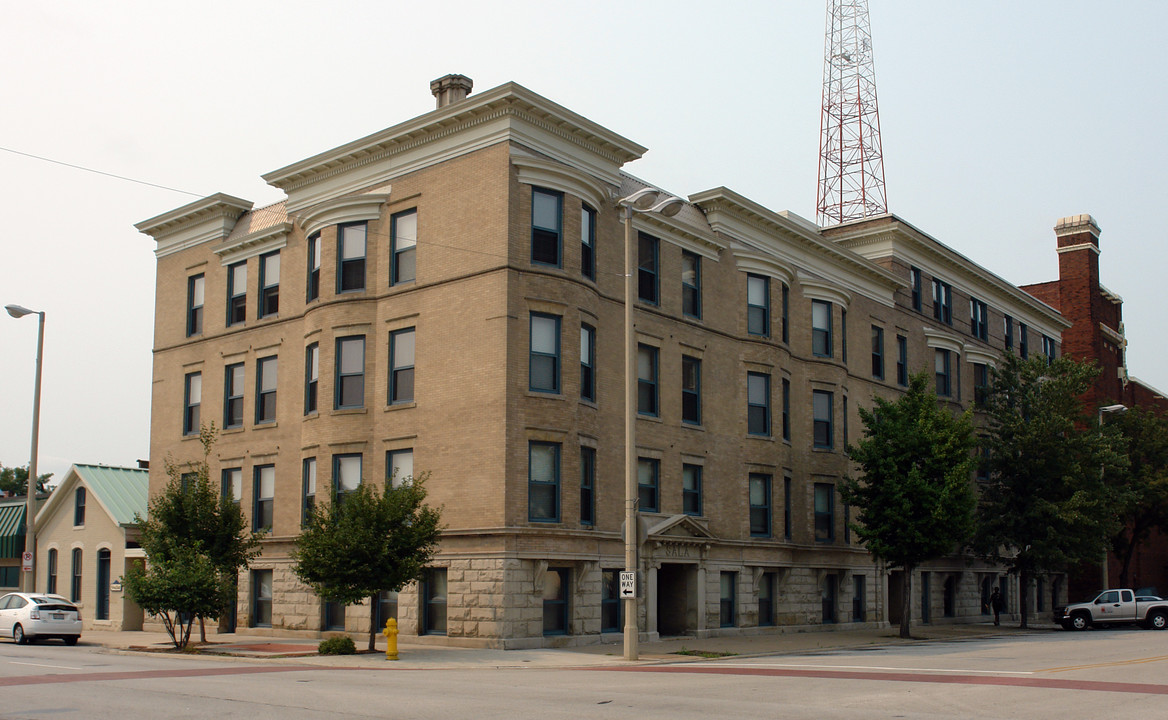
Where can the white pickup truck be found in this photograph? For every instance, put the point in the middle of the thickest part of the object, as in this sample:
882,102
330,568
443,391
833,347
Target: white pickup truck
1115,607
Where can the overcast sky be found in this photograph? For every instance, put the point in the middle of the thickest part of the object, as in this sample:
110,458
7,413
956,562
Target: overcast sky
998,118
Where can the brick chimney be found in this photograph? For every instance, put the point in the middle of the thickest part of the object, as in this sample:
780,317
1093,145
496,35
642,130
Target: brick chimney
450,89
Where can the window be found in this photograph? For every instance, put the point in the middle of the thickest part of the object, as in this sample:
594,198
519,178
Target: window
346,474
192,399
914,275
691,489
195,285
401,366
52,573
1008,329
786,409
311,376
1048,348
351,257
610,602
187,481
434,602
588,242
821,328
546,217
691,390
942,301
75,584
758,404
269,284
844,415
942,368
332,616
822,432
859,598
264,493
403,233
647,380
830,597
350,383
877,352
758,305
236,293
261,598
727,599
902,360
555,601
587,362
981,383
844,335
926,593
233,396
313,267
766,599
386,607
950,597
308,493
587,486
787,508
543,482
760,505
544,369
691,284
1023,341
101,612
79,507
979,319
786,313
399,466
265,390
231,484
824,512
647,268
648,483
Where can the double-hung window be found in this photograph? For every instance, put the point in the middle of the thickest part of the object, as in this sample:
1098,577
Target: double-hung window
350,369
79,507
979,319
760,505
264,494
844,335
647,396
75,586
758,403
588,242
399,466
546,225
758,305
877,352
192,399
231,484
52,573
787,508
543,482
691,284
786,409
313,267
823,435
195,288
942,301
1023,341
269,284
902,360
1048,348
403,232
236,293
346,474
691,489
233,396
981,383
648,484
311,376
308,493
648,269
821,328
914,276
1008,330
351,238
786,313
942,366
544,363
587,485
401,366
265,390
587,362
691,390
824,512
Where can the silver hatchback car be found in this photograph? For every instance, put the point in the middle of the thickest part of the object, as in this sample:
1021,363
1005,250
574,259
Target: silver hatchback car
28,617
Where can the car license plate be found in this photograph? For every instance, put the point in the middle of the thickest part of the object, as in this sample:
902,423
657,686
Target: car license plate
58,616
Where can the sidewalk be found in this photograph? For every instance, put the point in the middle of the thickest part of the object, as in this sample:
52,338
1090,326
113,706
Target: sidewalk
418,656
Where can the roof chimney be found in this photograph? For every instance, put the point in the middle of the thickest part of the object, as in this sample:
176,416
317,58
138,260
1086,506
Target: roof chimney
450,89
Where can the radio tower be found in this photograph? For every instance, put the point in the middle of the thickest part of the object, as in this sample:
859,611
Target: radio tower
851,165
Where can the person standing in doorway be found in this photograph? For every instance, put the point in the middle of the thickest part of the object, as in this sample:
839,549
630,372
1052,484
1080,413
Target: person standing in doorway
996,605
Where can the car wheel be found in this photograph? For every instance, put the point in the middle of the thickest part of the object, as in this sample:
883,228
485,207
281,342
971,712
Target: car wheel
18,635
1158,621
1079,622
71,640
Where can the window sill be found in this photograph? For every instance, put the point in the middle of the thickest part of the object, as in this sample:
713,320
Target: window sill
589,403
400,406
545,394
231,430
349,411
649,418
697,427
754,436
265,425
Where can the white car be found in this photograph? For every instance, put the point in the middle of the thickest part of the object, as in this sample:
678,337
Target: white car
28,617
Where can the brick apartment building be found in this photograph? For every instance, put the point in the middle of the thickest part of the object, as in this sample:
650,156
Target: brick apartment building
447,295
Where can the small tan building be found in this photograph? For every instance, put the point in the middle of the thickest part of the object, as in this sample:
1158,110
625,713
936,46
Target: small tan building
86,538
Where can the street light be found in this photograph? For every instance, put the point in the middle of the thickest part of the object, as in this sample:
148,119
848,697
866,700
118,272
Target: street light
1107,410
646,200
29,582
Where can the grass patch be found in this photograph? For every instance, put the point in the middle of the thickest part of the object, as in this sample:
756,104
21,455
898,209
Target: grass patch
708,654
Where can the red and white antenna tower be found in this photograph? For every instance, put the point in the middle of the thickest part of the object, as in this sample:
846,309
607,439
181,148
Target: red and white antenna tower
851,164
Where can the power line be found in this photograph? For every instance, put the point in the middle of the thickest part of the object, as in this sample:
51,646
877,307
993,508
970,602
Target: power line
100,172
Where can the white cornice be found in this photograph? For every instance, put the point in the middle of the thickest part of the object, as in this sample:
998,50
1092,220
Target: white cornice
758,263
557,176
205,220
351,208
257,243
975,354
815,289
681,234
943,340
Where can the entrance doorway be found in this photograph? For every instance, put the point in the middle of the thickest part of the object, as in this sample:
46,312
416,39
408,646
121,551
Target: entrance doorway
677,593
895,596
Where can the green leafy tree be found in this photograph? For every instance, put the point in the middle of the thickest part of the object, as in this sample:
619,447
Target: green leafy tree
1143,484
14,480
178,587
368,541
1045,506
190,516
914,498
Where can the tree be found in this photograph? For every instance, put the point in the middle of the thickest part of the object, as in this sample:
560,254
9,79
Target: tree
14,480
178,587
914,498
1143,484
1045,506
189,516
368,541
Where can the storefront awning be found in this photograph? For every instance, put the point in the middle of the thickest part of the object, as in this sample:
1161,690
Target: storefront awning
11,530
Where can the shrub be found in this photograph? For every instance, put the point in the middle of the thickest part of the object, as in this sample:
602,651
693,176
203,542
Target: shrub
342,645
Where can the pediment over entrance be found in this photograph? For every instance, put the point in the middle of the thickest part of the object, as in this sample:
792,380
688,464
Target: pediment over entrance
679,528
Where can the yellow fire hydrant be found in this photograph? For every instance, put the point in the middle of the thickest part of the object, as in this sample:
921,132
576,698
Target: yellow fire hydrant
390,634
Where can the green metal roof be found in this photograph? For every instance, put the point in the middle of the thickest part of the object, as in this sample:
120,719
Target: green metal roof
11,529
123,491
